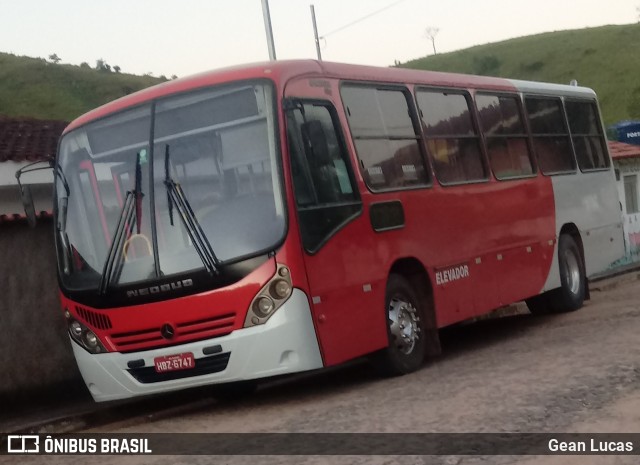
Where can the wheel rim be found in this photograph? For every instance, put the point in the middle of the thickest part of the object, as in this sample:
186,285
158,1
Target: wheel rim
403,319
572,272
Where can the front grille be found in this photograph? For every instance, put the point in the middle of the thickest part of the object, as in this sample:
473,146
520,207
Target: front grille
95,319
203,366
185,331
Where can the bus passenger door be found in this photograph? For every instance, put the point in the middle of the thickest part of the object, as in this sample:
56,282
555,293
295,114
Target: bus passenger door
336,237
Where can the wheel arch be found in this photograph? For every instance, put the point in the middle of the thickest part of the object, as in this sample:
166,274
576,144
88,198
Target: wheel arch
415,272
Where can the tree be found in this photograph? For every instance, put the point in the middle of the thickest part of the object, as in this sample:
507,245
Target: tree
84,65
54,58
173,76
116,68
102,65
431,33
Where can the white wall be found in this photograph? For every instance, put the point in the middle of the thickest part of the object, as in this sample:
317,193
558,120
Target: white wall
631,222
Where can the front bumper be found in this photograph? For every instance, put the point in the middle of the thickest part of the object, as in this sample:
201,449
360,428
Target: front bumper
287,343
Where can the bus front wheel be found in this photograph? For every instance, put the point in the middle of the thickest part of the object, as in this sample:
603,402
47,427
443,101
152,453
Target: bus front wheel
405,330
234,391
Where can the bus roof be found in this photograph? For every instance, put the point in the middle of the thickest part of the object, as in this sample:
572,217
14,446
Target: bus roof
282,71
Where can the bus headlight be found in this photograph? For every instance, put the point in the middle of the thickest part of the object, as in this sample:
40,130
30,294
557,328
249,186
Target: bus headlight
270,298
85,337
263,306
280,289
76,329
90,339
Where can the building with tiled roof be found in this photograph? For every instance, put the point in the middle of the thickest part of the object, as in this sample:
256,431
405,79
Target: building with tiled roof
23,141
626,161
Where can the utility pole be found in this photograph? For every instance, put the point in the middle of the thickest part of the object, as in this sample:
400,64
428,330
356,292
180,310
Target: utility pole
315,32
267,27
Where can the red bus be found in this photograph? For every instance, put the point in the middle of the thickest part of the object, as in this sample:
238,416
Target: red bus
287,216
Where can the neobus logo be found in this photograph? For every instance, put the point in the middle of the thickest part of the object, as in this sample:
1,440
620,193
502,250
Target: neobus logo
162,288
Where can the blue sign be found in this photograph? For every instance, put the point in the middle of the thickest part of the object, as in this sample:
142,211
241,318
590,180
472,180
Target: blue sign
627,132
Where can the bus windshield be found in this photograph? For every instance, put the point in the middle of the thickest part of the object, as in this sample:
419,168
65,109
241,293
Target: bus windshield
143,180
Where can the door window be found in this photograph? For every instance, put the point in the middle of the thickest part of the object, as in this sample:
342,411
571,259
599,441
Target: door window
324,187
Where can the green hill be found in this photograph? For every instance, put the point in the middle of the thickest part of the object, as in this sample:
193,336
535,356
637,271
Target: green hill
607,59
603,58
33,87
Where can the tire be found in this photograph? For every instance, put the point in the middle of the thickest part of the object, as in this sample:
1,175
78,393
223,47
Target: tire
539,304
405,330
236,391
571,294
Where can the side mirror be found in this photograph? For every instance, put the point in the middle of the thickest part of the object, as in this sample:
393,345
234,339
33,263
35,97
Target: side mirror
25,190
27,203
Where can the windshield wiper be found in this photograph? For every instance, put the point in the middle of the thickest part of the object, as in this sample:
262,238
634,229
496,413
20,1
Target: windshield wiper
131,212
175,196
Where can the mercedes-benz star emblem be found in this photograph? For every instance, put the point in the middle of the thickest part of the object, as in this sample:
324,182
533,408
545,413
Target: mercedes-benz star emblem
167,331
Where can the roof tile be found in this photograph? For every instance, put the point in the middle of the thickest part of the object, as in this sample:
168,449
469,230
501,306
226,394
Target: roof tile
28,139
620,150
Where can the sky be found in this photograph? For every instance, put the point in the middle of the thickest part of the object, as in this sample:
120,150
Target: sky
183,37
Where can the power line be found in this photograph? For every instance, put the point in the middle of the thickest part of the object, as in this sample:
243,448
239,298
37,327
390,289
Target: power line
361,19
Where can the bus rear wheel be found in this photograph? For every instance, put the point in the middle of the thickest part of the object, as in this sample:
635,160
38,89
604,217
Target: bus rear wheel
571,293
405,330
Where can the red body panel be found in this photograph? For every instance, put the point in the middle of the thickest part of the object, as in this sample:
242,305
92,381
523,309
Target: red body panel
194,317
501,231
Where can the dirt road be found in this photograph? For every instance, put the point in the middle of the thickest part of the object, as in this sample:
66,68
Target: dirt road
577,372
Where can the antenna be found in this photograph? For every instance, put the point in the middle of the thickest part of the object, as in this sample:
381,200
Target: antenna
315,32
267,27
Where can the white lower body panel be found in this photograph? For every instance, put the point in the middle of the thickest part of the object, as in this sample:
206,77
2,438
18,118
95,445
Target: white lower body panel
590,202
287,343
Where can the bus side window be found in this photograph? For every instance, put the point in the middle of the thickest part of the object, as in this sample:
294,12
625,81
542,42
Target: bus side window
386,135
452,139
503,128
551,141
586,132
323,183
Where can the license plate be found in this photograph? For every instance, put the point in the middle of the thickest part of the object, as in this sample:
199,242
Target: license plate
175,362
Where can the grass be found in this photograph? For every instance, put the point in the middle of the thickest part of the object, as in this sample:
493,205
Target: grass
32,87
603,58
